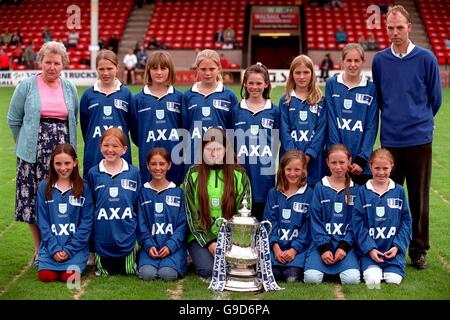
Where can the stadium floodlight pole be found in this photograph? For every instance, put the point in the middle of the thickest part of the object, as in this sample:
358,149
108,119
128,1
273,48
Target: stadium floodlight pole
93,48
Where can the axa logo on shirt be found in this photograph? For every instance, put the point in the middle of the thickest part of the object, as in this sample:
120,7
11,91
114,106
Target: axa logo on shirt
380,232
115,214
336,228
288,234
63,229
162,228
98,130
346,124
255,151
163,135
301,136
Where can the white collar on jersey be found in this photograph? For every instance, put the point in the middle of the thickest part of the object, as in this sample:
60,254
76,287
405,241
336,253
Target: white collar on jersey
169,91
299,191
402,55
125,166
219,88
171,185
97,86
56,186
243,105
390,186
326,183
362,83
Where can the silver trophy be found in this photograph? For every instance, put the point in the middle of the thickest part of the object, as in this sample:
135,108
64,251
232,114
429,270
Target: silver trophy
243,255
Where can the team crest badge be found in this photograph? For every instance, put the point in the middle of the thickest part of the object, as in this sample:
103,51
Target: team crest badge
173,201
254,129
215,202
303,115
158,207
380,211
363,98
62,208
160,114
348,104
206,111
128,184
172,106
267,123
114,191
107,110
120,104
217,103
394,203
286,213
314,108
338,207
78,202
300,207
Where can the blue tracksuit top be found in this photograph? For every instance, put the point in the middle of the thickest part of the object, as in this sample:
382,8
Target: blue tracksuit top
99,112
162,222
200,112
65,223
331,227
115,218
290,223
410,95
352,117
155,124
380,222
303,128
256,145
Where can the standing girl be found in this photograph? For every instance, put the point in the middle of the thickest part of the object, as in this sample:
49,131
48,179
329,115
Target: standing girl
156,114
352,111
303,120
64,217
382,223
331,251
287,208
214,188
104,105
255,118
161,222
115,187
207,104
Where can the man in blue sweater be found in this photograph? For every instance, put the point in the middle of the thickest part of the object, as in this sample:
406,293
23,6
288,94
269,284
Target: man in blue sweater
410,94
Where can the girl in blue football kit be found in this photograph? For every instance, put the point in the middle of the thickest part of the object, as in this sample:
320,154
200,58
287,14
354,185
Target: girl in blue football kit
104,105
287,209
207,104
352,111
161,223
332,247
156,114
303,118
256,128
115,188
64,217
382,224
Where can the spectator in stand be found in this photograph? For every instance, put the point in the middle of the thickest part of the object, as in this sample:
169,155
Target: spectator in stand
383,8
16,37
16,56
4,60
113,43
72,39
363,42
6,37
447,43
336,4
326,65
372,43
341,35
130,61
218,36
101,44
229,38
142,56
46,35
29,56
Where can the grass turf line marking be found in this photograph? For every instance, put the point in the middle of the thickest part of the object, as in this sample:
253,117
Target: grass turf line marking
6,229
221,295
16,277
86,282
338,292
444,262
175,294
444,199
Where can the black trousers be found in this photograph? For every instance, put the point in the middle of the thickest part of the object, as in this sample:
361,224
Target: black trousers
413,164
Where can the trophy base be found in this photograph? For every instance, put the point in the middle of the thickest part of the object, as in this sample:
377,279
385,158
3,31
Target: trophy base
242,284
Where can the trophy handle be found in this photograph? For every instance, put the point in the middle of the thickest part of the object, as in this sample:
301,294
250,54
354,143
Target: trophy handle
270,225
221,218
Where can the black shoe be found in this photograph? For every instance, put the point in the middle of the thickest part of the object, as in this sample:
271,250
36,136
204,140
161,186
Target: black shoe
419,262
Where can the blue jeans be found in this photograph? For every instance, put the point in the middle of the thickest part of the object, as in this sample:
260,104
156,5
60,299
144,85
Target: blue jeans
201,258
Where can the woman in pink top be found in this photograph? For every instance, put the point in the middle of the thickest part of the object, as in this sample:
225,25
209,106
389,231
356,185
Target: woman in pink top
42,114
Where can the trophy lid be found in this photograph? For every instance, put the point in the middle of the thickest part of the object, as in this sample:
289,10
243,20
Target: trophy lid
244,211
244,217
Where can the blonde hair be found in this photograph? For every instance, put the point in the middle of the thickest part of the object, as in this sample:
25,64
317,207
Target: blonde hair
353,46
381,153
212,55
399,9
163,60
314,92
55,48
282,182
107,55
